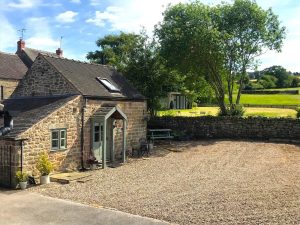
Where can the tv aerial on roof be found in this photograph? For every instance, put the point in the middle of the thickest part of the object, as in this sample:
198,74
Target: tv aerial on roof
22,31
60,42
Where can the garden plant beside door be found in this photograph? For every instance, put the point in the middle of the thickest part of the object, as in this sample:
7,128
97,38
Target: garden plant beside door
45,167
22,178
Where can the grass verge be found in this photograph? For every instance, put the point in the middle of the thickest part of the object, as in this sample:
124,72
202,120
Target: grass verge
212,111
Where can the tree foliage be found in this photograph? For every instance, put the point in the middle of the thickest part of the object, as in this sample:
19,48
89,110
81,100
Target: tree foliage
280,74
136,56
218,42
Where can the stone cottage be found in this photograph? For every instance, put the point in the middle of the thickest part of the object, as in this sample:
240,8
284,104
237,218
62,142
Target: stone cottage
72,110
13,67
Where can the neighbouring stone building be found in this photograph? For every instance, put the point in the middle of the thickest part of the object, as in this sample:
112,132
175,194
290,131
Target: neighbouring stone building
72,110
12,70
13,67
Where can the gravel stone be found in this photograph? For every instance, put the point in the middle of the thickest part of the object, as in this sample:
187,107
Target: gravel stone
199,182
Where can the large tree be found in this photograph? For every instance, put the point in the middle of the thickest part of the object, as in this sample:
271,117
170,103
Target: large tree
136,56
281,74
218,42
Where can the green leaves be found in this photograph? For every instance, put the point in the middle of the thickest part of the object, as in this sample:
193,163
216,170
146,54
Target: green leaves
44,166
218,42
137,57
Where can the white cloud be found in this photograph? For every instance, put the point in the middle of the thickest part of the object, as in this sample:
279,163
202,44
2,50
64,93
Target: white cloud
132,15
42,43
66,17
40,36
24,4
75,1
95,2
8,35
110,15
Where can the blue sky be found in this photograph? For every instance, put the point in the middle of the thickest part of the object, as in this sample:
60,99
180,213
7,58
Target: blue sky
82,22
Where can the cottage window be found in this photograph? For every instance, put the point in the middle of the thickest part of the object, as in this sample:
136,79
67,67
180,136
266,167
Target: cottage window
58,139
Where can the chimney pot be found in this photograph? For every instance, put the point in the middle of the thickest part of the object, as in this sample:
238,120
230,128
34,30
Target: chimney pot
21,45
59,52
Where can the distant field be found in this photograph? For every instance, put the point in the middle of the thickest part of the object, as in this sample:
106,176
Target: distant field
205,111
270,99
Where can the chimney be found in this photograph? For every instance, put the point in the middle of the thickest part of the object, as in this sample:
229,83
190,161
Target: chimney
21,45
59,52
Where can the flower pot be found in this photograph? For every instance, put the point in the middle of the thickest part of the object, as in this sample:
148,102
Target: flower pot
45,179
93,166
23,185
150,146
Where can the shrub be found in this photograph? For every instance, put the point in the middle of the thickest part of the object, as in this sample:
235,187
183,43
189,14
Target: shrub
298,112
44,166
21,176
235,110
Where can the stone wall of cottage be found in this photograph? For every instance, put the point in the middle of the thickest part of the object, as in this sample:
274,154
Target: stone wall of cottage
43,80
231,127
69,117
8,87
39,138
10,162
136,124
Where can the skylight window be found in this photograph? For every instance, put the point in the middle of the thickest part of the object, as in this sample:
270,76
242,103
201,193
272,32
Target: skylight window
106,83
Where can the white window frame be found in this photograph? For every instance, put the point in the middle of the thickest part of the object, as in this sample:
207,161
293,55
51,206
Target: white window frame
59,139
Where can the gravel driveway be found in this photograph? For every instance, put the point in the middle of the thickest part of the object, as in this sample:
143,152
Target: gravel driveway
206,182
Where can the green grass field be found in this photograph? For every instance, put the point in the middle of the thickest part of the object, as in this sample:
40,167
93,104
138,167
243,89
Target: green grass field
270,99
205,111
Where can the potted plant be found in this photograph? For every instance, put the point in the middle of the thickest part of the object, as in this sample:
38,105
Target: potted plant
92,161
45,167
22,178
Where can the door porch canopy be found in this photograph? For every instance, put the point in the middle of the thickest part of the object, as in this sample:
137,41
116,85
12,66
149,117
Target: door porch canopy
103,114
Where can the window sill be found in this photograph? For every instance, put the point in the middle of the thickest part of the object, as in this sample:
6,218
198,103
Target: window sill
58,150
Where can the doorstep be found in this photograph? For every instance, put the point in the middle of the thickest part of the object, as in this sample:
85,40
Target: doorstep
66,178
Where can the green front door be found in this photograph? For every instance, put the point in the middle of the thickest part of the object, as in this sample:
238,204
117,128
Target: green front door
97,139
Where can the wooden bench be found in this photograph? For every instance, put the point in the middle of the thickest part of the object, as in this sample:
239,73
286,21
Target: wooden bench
159,134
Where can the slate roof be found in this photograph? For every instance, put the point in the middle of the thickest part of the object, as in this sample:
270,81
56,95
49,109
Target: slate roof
83,77
33,53
11,66
28,55
28,111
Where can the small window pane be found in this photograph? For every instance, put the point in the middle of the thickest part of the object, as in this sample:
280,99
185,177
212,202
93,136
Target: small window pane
62,134
96,132
96,137
54,134
54,144
62,143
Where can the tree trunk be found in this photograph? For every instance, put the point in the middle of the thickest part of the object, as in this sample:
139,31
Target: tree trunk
223,108
241,83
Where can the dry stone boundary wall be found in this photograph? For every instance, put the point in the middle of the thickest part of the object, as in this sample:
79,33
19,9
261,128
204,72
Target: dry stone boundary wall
231,127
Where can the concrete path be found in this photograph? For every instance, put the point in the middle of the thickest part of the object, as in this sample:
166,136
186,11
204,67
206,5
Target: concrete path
21,207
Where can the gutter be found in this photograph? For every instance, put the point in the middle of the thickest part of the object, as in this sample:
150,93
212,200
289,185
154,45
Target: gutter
109,98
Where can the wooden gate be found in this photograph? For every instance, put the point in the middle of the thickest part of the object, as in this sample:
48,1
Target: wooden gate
9,164
6,161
